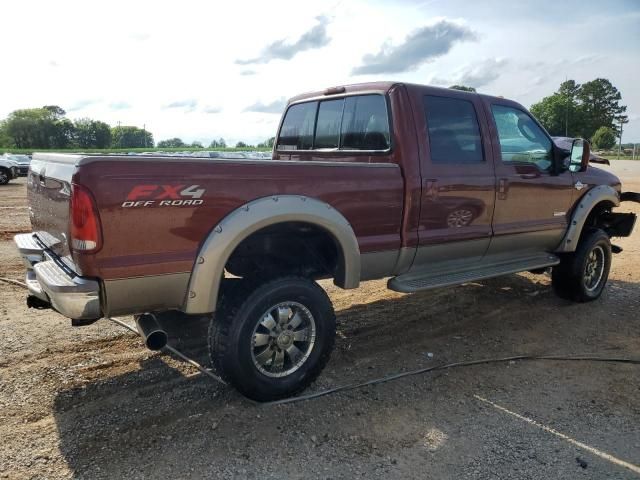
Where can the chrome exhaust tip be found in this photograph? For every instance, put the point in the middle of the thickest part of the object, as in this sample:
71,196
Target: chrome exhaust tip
155,338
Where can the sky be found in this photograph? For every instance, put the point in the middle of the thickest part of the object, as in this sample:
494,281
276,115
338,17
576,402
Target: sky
201,70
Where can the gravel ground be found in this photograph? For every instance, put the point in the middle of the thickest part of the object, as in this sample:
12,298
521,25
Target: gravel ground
90,402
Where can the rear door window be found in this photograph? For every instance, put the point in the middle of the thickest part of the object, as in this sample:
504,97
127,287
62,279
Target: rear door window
298,127
454,133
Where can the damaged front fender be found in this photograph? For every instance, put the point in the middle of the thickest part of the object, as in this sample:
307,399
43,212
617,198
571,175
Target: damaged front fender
621,224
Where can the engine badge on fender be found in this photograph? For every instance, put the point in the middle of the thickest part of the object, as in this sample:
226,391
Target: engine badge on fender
164,196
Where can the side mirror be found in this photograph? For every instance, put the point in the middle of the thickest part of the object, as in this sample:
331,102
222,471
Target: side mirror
580,154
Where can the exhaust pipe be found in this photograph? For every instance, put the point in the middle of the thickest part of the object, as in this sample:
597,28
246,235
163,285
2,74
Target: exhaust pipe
37,303
155,338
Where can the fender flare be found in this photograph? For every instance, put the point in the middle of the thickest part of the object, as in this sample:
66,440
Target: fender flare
601,193
208,270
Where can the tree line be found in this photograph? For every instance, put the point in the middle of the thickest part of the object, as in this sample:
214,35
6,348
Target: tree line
49,128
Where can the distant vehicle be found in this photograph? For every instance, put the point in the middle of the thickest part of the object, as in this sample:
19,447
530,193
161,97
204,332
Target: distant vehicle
22,162
8,170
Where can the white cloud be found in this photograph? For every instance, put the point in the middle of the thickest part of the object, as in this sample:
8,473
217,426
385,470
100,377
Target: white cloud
423,45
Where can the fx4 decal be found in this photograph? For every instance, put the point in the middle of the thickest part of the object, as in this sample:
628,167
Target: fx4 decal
164,196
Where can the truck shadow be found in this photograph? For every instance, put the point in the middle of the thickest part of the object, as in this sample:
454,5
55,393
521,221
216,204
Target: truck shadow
157,421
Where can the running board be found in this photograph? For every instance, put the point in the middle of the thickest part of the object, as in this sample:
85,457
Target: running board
415,281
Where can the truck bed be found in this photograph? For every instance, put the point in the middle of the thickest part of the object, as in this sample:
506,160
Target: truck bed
156,211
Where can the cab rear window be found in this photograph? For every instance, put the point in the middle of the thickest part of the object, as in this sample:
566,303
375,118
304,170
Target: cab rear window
359,122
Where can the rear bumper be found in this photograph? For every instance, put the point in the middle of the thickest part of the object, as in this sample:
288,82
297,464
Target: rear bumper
71,295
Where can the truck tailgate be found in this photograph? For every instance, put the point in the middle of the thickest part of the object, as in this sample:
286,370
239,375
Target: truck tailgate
49,192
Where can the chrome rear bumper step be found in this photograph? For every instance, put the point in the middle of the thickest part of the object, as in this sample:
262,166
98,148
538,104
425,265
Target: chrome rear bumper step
73,296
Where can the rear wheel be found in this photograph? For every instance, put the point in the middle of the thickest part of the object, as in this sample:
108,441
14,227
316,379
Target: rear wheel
582,275
271,339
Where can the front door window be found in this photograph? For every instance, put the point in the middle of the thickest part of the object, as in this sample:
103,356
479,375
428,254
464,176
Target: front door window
521,139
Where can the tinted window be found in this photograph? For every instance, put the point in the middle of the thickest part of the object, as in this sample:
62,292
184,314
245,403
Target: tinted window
521,139
365,125
454,134
297,128
328,124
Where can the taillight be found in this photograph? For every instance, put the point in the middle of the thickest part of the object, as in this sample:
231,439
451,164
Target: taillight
86,235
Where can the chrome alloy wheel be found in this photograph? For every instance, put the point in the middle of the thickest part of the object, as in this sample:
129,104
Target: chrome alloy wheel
459,218
594,269
283,339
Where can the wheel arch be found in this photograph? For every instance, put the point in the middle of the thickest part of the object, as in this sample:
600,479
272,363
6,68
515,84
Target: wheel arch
593,202
226,236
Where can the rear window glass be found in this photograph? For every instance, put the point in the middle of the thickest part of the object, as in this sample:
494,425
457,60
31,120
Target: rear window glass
328,124
352,123
454,134
365,125
297,128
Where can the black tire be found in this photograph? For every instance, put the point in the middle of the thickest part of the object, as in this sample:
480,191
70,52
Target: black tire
5,176
239,321
576,278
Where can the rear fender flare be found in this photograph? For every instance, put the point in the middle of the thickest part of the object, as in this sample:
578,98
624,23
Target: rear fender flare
601,193
208,270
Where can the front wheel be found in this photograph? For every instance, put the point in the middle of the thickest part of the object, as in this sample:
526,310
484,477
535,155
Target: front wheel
271,339
582,275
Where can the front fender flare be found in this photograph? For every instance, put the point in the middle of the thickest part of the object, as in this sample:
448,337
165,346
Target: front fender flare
601,193
208,270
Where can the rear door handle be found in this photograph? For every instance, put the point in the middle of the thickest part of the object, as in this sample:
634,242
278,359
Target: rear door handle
431,188
503,188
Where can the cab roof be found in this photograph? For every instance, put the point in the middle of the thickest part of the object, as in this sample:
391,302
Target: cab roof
383,87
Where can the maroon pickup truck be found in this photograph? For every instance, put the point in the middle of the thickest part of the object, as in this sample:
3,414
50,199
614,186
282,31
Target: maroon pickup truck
430,187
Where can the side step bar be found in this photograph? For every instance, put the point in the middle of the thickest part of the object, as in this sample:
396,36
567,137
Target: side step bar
425,280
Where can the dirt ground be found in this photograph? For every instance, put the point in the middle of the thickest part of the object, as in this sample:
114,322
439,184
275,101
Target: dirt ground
91,402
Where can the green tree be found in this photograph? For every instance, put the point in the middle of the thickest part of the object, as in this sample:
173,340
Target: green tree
39,128
5,140
92,133
604,138
172,143
131,137
600,103
241,145
220,143
560,113
196,144
464,88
